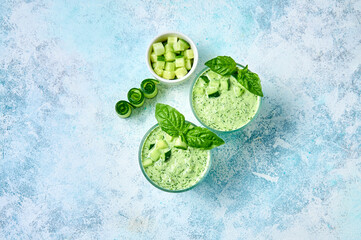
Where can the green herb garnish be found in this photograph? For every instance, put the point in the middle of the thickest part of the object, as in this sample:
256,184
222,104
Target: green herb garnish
222,65
226,66
173,123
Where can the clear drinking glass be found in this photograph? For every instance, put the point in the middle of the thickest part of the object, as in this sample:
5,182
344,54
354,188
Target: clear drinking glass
216,130
153,183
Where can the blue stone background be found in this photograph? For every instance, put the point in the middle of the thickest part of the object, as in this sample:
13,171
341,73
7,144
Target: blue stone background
69,166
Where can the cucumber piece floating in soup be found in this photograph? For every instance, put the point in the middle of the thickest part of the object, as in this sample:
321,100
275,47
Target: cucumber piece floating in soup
136,97
180,144
149,87
123,109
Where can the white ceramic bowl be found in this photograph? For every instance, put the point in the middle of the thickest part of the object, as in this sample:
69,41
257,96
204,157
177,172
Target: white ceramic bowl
162,37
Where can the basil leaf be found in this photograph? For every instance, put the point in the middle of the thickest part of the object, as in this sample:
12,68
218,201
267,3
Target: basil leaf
199,137
170,120
250,81
222,65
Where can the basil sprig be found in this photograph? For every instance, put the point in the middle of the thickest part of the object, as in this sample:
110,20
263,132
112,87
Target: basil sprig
226,66
222,65
173,123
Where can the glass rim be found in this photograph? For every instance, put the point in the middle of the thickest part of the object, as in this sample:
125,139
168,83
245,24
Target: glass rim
210,128
152,182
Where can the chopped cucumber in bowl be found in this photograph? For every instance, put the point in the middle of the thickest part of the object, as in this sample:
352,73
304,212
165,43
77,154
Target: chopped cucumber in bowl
172,57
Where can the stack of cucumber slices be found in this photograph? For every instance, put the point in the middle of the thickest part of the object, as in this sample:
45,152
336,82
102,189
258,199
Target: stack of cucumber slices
172,59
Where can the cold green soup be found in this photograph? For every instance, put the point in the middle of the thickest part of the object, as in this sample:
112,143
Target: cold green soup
221,103
169,167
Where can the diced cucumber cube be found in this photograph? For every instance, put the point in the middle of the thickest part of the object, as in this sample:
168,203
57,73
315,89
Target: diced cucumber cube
169,56
214,95
214,83
225,83
184,45
189,54
161,144
212,91
179,62
158,48
213,75
154,65
158,71
170,66
147,162
168,74
169,48
181,72
177,47
153,57
205,79
180,144
198,91
238,91
188,64
172,40
169,138
155,154
160,65
167,155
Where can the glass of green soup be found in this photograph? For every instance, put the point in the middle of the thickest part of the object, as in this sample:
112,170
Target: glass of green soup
170,166
221,103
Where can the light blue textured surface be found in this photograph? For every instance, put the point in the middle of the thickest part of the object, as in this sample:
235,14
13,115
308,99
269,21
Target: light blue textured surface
69,166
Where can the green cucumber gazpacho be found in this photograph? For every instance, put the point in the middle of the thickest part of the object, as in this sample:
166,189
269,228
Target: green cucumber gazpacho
226,97
170,165
175,155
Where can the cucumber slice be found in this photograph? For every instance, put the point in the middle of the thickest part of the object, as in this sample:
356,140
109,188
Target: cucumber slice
184,45
189,54
167,155
136,97
168,48
161,144
188,64
168,74
158,71
158,48
147,162
170,66
155,154
205,79
172,40
169,56
180,144
181,72
123,109
179,62
153,57
225,84
212,75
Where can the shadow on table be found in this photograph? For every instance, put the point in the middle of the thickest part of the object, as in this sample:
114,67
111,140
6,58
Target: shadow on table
231,175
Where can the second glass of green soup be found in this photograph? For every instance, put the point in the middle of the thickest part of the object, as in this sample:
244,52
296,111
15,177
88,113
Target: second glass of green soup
221,103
